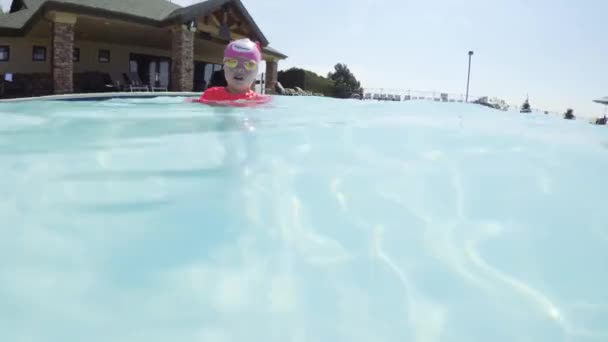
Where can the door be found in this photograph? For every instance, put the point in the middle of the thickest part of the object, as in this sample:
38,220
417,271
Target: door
153,70
164,73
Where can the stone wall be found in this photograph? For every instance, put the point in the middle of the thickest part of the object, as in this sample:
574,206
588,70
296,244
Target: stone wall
271,76
63,46
182,51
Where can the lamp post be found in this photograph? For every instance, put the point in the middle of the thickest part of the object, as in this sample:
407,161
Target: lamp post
468,76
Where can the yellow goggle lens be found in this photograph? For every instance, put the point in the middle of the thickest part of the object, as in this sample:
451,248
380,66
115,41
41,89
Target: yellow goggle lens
233,63
250,65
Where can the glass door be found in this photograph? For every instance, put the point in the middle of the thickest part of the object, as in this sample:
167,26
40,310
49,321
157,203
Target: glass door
164,73
153,73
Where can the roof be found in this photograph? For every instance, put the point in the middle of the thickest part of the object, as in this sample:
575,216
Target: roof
150,9
603,100
275,52
188,13
15,20
152,12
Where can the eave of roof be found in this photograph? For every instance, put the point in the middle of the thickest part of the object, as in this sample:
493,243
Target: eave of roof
274,52
189,13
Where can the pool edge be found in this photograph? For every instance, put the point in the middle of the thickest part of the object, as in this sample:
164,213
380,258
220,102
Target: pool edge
102,96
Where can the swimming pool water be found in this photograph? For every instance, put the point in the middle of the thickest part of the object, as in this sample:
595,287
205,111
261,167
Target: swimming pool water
311,219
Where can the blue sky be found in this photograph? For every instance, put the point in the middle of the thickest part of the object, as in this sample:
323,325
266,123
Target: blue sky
555,51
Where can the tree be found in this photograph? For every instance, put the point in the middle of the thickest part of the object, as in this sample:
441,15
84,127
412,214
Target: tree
307,80
345,83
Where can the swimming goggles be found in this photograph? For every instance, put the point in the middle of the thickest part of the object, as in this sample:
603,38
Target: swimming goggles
233,63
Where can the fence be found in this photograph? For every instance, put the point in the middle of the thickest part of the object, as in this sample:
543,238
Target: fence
412,94
392,94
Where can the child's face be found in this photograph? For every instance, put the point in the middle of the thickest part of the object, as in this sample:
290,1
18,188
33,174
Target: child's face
240,72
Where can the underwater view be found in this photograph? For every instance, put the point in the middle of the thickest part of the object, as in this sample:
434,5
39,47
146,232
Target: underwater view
305,219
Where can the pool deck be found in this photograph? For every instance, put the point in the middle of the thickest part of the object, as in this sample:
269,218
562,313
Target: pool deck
103,96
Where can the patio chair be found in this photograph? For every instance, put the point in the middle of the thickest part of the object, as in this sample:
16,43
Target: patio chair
152,84
112,83
5,78
302,91
280,89
134,83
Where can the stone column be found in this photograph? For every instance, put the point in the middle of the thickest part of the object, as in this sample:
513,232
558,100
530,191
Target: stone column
182,66
272,68
62,53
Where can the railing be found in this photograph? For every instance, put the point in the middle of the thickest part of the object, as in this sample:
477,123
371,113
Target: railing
411,94
392,94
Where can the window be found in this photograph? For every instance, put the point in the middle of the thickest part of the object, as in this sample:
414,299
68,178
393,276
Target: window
39,53
76,55
104,56
5,53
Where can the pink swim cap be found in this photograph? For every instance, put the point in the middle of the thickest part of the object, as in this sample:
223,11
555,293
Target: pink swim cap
243,48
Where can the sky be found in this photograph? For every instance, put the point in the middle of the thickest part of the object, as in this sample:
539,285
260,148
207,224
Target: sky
554,51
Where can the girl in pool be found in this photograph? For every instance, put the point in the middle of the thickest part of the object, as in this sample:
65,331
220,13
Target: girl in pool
241,60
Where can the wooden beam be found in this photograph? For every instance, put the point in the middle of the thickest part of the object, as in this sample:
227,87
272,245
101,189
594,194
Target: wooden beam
62,17
215,19
210,28
210,37
239,25
240,31
243,28
233,18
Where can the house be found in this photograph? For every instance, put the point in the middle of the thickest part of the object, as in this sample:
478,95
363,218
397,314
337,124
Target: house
66,46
